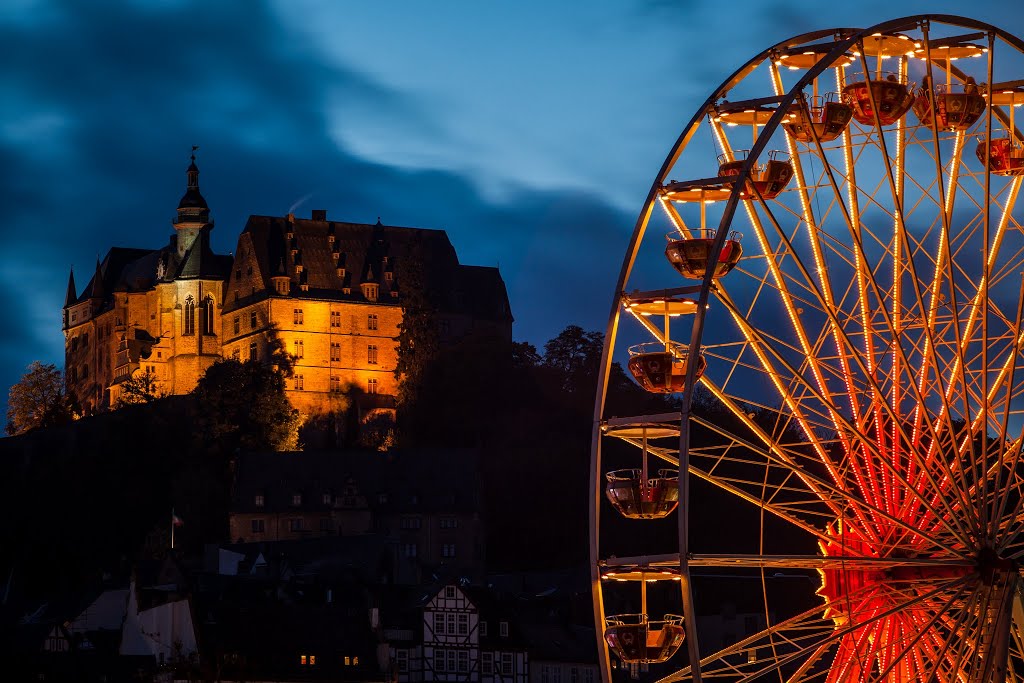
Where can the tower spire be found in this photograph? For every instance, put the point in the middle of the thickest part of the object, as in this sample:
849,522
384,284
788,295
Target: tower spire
72,295
193,212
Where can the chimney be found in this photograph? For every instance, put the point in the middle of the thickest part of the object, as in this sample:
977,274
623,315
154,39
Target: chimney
319,214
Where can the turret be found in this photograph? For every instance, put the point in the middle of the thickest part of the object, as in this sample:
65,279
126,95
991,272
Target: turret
72,295
193,212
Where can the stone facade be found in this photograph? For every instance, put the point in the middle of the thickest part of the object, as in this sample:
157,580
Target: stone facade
326,293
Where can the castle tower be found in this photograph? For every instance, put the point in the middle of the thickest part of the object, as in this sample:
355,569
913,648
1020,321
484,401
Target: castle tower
193,212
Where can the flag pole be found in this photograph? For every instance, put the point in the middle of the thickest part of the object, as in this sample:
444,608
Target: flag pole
172,528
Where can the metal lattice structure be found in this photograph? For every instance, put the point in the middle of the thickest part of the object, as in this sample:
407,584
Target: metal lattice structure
846,295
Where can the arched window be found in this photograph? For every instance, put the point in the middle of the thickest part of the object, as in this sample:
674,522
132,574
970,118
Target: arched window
206,315
190,315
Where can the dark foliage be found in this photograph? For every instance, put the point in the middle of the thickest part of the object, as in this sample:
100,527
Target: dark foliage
243,406
39,399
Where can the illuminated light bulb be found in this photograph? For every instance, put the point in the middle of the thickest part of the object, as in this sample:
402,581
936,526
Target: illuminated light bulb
645,314
730,123
778,62
659,301
748,111
856,54
793,68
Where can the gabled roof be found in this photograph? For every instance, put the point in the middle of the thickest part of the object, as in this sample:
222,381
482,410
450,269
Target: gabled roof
402,481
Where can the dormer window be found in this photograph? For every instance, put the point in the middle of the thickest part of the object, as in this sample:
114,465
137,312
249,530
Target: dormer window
370,290
298,268
330,239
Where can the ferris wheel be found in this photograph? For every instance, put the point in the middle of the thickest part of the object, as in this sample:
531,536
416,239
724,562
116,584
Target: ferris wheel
840,292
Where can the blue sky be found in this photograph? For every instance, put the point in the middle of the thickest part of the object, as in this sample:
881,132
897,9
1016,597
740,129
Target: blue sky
530,131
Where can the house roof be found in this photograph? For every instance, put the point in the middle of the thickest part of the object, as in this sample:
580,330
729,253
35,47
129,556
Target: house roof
401,481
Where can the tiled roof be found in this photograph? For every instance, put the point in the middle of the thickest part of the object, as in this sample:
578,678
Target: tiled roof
407,481
337,255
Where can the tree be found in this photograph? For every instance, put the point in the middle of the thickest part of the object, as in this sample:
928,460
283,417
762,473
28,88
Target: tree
39,399
139,389
418,336
243,406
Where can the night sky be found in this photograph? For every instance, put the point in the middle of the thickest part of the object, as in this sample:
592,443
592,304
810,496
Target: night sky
529,130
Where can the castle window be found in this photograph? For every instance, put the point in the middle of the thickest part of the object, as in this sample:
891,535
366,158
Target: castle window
370,290
258,500
297,317
238,324
371,386
371,354
189,322
335,383
206,315
335,318
252,351
299,383
336,351
371,321
258,526
300,348
252,320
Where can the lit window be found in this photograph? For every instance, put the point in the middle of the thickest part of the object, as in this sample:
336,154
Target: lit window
355,661
258,500
303,660
370,290
300,383
503,629
335,319
300,348
312,660
371,321
206,315
371,354
348,661
335,351
189,322
297,317
371,386
297,499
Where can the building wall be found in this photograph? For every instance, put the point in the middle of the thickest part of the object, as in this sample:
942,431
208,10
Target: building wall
330,341
139,331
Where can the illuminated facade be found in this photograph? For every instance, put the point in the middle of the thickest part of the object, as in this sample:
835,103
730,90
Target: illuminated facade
327,292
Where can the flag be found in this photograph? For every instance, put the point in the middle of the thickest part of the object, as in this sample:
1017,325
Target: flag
176,520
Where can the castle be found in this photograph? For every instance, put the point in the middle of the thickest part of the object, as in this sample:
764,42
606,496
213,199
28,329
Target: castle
325,292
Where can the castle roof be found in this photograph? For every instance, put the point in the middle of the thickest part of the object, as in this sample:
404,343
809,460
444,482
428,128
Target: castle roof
325,258
201,263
